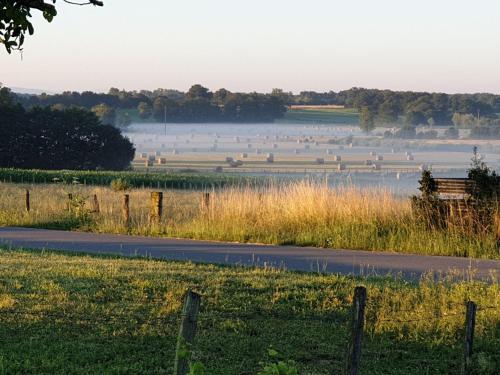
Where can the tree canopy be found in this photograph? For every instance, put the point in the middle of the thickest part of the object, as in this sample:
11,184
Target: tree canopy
72,138
15,18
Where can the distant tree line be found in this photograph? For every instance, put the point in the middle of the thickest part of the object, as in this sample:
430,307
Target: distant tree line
47,138
197,105
410,108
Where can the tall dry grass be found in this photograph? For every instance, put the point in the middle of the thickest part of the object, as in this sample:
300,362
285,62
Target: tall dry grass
303,213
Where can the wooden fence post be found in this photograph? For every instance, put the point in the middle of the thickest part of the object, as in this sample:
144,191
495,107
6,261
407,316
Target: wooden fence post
95,204
357,324
470,323
126,210
28,207
187,332
156,206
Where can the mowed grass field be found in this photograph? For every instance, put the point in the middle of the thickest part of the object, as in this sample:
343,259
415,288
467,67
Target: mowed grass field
301,213
321,114
75,314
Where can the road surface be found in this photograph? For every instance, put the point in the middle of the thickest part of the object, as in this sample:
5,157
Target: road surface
291,258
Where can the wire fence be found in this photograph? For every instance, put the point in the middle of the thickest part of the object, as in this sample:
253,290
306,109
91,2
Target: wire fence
347,324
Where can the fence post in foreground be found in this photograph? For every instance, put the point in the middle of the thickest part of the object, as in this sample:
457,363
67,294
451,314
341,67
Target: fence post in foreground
28,207
357,325
187,331
156,206
126,210
470,322
95,204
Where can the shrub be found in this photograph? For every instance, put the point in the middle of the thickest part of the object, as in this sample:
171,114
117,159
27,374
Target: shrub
120,184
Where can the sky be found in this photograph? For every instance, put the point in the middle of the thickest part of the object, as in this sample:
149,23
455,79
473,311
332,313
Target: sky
440,46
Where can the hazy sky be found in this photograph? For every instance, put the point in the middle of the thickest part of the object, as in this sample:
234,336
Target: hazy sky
432,45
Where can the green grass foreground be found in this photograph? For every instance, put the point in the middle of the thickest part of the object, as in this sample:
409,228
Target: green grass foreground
62,313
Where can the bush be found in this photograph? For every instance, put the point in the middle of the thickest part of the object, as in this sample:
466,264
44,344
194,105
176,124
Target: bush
120,184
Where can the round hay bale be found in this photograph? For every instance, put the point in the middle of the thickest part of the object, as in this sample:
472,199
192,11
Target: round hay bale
337,158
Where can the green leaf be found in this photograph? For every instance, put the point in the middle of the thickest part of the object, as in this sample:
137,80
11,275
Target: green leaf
49,15
272,353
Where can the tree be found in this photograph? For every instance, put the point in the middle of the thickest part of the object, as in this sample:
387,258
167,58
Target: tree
69,139
220,96
413,117
198,92
123,121
145,110
6,99
165,109
15,18
387,112
366,119
105,113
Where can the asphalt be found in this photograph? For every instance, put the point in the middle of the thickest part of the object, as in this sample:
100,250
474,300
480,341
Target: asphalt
348,262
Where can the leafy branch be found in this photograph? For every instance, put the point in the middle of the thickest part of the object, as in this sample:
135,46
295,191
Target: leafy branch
15,19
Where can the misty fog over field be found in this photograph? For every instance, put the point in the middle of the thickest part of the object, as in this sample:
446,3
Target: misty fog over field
339,154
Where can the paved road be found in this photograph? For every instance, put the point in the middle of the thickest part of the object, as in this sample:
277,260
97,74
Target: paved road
292,258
